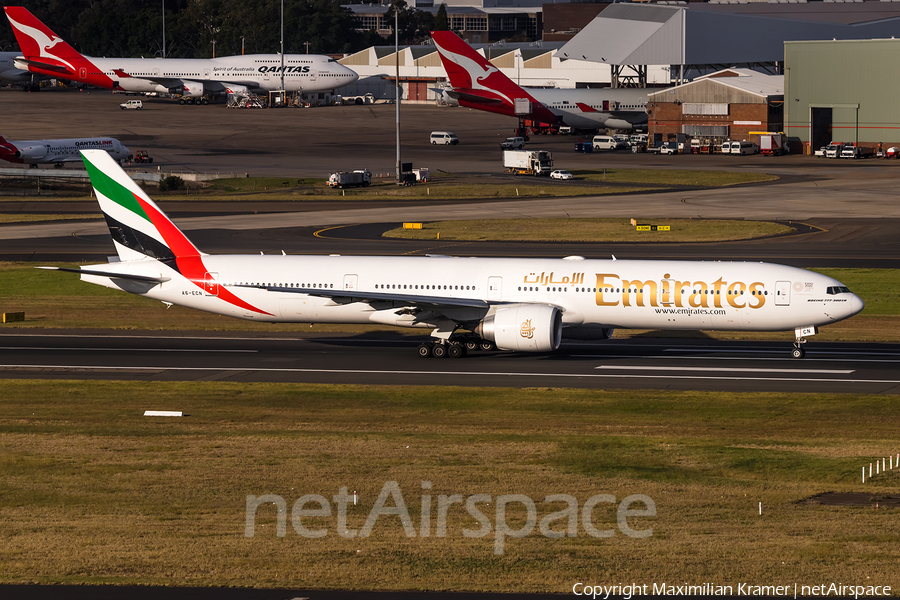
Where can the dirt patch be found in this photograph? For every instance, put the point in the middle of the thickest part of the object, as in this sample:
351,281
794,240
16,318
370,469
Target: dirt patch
856,499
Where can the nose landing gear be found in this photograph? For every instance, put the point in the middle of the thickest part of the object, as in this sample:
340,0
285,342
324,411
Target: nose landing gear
801,332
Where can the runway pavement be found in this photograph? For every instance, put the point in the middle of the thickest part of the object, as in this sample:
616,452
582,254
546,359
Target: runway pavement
390,359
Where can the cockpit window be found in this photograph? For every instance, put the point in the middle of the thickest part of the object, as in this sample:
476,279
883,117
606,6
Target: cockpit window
837,289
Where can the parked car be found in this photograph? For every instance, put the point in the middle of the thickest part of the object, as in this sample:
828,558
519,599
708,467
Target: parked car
744,148
446,138
606,142
132,104
513,143
561,174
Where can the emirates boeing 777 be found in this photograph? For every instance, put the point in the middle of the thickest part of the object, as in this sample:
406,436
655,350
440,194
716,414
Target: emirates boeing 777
46,53
519,304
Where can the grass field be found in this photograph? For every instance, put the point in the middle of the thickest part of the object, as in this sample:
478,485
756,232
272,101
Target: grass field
95,493
592,230
59,300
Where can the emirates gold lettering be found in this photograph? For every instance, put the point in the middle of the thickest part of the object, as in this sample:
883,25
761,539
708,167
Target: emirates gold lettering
612,290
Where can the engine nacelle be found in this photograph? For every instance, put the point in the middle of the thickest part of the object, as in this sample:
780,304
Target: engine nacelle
523,327
191,89
240,90
27,153
587,332
618,124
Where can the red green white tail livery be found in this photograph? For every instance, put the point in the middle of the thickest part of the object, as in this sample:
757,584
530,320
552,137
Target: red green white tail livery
520,304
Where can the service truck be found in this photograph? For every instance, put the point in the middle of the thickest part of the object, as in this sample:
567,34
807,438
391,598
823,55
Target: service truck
772,144
345,179
528,162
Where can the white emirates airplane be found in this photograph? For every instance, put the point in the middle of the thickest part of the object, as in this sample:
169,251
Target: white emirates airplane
58,152
519,304
46,53
480,85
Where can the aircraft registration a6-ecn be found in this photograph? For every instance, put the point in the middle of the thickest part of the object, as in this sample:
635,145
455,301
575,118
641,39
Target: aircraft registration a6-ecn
520,304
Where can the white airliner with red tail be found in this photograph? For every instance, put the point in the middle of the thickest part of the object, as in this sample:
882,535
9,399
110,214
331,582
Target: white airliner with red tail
58,152
46,53
520,304
479,84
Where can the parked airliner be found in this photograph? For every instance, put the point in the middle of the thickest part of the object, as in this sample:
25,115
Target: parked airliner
46,53
479,84
58,152
520,304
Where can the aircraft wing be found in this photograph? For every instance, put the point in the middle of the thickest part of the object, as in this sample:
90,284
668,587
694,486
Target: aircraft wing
141,278
357,296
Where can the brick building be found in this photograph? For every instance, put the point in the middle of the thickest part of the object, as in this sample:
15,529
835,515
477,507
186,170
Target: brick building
727,104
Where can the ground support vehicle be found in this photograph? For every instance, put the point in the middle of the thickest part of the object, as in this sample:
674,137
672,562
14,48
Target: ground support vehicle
512,143
345,179
132,105
833,150
854,151
772,144
528,162
586,147
141,156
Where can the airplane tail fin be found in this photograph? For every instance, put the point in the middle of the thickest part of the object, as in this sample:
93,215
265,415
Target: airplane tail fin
138,226
479,84
39,44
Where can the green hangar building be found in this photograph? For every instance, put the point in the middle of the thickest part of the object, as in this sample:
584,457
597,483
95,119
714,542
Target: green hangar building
843,91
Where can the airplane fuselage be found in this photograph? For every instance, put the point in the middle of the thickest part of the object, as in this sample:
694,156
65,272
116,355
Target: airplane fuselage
592,295
42,152
196,77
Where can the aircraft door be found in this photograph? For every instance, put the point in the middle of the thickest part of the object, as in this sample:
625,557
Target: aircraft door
351,283
210,286
495,288
82,73
312,74
782,293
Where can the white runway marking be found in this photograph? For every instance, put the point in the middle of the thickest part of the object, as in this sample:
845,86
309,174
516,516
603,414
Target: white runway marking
119,349
442,373
727,369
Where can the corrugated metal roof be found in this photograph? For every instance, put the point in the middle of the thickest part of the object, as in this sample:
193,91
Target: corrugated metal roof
636,34
745,80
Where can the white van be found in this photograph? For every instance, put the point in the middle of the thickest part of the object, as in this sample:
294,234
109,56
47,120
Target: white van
743,148
445,138
132,105
726,147
605,142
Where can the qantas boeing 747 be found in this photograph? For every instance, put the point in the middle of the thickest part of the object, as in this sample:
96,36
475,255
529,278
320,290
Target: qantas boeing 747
46,53
519,304
480,85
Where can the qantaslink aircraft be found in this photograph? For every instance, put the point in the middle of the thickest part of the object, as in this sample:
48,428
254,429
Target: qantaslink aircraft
46,53
519,304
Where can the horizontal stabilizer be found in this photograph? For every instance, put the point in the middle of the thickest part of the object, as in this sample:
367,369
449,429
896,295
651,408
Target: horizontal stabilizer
23,63
129,276
474,97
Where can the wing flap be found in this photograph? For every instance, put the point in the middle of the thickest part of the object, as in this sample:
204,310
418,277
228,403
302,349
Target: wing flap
358,296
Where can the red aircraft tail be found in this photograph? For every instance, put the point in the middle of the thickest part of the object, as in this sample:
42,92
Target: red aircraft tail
47,53
479,84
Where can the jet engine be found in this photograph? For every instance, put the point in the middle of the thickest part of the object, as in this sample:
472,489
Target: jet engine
191,89
36,152
523,327
234,89
587,332
618,124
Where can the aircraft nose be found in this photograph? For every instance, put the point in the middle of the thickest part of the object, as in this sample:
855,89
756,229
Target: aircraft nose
856,305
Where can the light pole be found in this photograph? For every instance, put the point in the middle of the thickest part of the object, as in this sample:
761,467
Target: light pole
397,85
283,96
164,26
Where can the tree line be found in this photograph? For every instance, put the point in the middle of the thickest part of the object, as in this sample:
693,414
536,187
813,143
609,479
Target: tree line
134,28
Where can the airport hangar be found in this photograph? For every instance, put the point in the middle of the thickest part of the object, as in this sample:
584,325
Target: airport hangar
840,79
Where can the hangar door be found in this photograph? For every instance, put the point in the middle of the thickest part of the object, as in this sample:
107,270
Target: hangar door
820,130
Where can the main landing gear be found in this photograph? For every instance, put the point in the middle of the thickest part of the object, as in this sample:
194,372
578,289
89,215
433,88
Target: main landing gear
454,348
